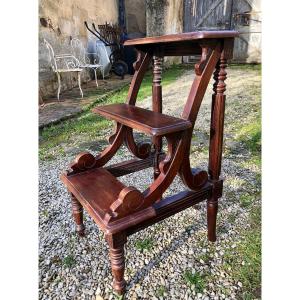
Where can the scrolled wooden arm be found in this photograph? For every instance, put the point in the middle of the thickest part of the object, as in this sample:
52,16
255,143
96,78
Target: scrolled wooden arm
83,162
129,200
86,161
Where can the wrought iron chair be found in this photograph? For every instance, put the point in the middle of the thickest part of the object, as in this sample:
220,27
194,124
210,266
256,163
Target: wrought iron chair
88,60
64,63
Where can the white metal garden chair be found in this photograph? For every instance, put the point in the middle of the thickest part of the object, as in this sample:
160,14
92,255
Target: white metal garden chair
88,60
64,63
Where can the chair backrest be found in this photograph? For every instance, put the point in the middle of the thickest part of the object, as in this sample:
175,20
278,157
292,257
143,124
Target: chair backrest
51,55
78,50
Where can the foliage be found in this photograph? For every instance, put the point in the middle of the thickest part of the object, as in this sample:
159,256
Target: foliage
144,245
194,279
245,262
69,261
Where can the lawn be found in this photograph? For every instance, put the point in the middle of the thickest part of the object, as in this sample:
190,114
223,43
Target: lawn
56,138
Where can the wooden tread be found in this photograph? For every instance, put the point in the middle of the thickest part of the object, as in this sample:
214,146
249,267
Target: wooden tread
147,121
95,189
182,37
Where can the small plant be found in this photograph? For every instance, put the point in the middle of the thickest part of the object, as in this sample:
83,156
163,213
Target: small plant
194,279
45,213
161,291
205,257
246,200
143,245
232,218
118,297
69,261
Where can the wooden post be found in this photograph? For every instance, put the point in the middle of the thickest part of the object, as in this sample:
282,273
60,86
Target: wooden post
157,103
77,215
216,141
116,244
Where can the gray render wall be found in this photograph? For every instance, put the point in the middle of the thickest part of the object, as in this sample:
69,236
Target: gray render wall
164,17
59,22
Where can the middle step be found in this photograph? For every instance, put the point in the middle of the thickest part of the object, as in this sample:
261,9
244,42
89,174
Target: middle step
147,121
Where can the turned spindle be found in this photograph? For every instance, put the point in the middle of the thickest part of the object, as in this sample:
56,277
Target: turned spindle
157,103
216,141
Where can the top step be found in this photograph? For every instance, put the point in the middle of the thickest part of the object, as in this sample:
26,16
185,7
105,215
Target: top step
182,37
147,121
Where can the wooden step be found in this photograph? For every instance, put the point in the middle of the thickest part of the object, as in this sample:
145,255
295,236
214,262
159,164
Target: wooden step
95,189
147,121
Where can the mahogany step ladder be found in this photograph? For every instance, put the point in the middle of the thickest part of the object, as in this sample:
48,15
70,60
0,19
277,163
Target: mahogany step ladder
121,211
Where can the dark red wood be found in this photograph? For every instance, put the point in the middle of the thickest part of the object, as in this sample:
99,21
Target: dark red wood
216,138
77,215
157,103
182,37
147,121
121,211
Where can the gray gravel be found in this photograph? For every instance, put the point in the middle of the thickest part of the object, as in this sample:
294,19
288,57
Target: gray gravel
78,268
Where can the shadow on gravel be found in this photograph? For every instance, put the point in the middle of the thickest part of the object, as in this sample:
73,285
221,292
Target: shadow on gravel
232,196
174,244
93,146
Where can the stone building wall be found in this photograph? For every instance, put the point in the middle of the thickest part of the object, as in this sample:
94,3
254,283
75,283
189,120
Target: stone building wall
59,22
135,17
164,17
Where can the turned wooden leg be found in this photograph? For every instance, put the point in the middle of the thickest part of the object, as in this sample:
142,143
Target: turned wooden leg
157,104
117,259
216,141
77,215
212,210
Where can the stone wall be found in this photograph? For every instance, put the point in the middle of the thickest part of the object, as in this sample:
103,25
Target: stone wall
135,17
164,17
59,22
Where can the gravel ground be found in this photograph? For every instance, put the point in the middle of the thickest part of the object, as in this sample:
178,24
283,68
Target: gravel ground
78,268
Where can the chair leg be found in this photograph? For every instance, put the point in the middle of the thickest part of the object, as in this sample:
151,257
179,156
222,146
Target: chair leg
102,72
212,210
95,71
59,85
77,215
117,259
79,84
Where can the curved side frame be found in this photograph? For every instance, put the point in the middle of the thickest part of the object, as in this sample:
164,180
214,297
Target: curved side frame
110,151
168,169
86,161
195,179
141,150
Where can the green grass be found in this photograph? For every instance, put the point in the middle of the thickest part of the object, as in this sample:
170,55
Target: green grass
54,139
250,136
245,261
160,292
69,261
246,200
194,279
144,245
206,257
245,66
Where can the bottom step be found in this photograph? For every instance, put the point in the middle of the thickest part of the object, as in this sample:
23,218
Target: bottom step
95,189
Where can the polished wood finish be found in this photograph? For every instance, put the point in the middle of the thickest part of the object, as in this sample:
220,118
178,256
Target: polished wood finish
77,215
147,121
157,103
182,37
121,211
